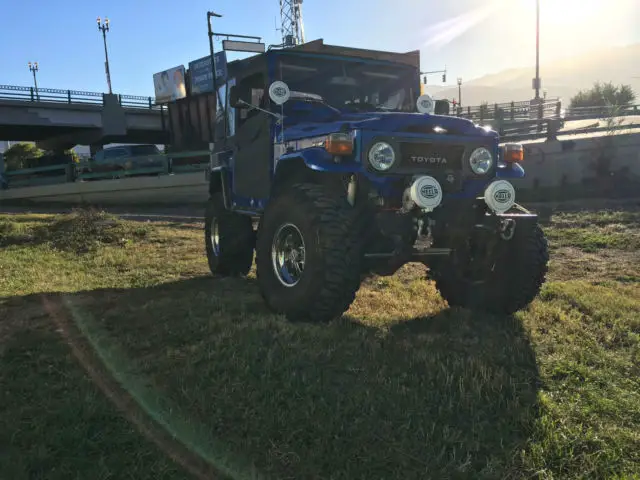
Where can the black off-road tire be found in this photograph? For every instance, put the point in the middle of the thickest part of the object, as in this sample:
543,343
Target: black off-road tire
333,256
520,272
237,239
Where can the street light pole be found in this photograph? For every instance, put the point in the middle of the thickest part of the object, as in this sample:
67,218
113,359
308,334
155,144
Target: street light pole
211,54
104,28
537,49
34,68
460,91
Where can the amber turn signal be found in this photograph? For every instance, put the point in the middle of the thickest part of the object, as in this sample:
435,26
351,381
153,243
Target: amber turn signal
513,153
339,144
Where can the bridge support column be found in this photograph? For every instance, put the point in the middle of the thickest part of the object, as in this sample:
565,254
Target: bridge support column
95,148
114,121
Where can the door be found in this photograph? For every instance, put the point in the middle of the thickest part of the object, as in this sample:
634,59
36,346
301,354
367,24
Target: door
252,146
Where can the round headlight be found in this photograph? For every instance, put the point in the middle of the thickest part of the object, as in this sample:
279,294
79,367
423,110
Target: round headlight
481,161
381,156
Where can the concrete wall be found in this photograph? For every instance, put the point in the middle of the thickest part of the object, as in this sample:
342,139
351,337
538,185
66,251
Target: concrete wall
144,120
571,162
38,115
185,188
63,125
77,115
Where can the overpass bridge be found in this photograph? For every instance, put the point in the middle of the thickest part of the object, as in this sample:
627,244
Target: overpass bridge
60,119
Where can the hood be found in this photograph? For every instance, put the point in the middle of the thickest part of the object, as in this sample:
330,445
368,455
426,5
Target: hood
392,122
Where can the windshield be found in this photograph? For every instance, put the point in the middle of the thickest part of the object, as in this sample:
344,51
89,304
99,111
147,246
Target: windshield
144,150
351,84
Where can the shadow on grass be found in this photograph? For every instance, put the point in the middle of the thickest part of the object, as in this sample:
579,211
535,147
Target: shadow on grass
54,422
450,395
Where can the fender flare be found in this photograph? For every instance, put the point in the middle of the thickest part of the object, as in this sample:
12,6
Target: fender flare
318,160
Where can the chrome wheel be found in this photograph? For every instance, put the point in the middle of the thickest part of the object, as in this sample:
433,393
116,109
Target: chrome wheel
288,254
215,236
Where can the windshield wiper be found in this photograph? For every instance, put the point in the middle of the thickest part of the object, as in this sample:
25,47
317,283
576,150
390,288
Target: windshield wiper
315,99
368,107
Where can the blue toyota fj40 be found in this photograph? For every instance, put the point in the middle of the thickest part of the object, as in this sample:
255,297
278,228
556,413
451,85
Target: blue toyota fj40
350,171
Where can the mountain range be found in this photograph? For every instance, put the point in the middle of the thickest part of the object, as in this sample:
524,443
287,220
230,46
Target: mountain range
563,78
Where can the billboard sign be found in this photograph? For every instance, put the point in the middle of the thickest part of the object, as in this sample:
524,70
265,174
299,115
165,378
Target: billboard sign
200,73
169,84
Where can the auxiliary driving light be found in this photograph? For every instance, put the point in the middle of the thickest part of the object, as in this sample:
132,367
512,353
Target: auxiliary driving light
500,196
426,192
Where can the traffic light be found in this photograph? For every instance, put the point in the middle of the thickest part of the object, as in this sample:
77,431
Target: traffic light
444,78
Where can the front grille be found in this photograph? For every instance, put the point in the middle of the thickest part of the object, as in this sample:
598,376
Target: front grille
431,157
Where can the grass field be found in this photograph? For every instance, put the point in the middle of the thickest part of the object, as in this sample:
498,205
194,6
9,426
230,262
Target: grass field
123,358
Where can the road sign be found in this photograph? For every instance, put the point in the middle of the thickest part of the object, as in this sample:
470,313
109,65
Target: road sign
536,83
239,46
200,73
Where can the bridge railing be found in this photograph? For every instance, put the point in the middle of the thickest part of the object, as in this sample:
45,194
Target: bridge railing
522,120
88,170
512,111
54,95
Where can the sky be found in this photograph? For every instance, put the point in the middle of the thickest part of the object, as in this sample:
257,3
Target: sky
470,37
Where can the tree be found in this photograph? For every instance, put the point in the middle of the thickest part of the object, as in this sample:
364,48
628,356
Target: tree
75,158
604,95
16,156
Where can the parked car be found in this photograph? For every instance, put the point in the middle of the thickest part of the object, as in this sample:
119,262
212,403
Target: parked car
126,161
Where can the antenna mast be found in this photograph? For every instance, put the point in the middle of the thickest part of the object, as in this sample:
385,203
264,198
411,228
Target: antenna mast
291,21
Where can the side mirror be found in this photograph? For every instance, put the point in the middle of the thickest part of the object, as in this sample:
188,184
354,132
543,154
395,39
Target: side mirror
237,98
442,107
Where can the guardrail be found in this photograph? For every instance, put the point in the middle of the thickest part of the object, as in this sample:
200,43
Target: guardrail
165,164
586,113
550,129
513,111
53,95
552,125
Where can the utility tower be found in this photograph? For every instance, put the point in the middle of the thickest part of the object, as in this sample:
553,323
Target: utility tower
291,22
